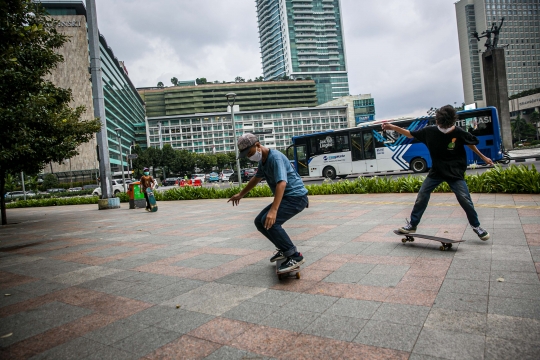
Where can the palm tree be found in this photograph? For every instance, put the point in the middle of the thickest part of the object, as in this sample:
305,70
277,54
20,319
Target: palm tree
174,81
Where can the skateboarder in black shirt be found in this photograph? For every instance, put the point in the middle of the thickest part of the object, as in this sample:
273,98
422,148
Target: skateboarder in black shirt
446,144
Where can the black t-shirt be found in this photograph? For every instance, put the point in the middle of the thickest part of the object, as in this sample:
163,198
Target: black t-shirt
447,151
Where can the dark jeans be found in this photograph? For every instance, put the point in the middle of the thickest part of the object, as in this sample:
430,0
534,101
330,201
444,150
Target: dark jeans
458,187
290,206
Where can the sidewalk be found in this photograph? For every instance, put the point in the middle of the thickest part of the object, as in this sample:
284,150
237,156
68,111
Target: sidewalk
193,281
523,155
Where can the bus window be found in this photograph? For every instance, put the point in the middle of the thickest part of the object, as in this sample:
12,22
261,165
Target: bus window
342,143
369,145
477,125
356,143
322,144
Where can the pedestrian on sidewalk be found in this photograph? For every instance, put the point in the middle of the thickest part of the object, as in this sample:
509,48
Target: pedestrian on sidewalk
290,198
147,181
446,144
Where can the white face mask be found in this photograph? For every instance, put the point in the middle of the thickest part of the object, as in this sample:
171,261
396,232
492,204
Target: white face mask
256,157
445,131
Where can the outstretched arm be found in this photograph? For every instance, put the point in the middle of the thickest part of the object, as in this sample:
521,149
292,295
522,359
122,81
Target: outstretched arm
387,126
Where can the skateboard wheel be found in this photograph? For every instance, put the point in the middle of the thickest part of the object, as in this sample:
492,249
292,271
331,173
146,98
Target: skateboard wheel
403,240
442,248
298,275
449,246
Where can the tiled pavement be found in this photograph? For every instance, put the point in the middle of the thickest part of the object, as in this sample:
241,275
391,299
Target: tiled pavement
193,281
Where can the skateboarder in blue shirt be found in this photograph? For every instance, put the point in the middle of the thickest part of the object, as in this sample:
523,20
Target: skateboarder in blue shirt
446,144
290,198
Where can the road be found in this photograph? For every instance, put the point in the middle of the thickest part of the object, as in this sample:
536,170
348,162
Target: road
313,181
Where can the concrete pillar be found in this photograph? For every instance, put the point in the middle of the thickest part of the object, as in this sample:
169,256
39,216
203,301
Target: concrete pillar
496,90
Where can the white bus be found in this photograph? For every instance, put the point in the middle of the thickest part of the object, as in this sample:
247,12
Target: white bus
369,149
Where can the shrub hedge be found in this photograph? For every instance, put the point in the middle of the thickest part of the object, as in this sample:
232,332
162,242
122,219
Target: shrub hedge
514,179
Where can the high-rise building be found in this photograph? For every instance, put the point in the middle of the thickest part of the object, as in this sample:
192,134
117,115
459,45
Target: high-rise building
520,36
124,108
304,39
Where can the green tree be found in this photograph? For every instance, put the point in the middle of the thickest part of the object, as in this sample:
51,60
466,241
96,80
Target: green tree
168,156
154,160
174,81
160,85
259,79
521,129
535,120
201,81
38,126
140,162
50,181
239,79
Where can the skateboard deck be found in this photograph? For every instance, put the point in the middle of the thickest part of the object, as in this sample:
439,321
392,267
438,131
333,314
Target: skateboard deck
288,274
446,243
152,200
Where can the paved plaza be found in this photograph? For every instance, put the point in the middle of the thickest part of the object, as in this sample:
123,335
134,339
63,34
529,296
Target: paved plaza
194,281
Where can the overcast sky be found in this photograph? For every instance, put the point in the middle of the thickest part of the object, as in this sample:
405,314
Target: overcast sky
403,52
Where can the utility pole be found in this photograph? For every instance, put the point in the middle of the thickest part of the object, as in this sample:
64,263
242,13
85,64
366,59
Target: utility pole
99,102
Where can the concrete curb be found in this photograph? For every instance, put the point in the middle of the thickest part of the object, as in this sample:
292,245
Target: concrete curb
520,160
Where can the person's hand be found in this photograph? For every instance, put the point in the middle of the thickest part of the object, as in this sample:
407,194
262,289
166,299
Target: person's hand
488,161
387,126
235,199
270,219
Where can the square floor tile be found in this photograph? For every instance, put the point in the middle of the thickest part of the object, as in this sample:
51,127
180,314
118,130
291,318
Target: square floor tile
336,327
389,335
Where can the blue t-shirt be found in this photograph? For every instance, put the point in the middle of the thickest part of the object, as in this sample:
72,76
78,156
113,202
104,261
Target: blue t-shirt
278,168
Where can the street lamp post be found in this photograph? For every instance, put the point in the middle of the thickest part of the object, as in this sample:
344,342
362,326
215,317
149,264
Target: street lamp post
118,137
231,97
130,163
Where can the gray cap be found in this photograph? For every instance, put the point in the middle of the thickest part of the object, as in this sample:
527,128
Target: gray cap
245,142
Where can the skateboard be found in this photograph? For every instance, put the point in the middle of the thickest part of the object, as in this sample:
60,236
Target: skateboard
289,274
152,200
446,243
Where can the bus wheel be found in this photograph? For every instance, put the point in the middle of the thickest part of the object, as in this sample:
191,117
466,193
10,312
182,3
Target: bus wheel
329,172
418,165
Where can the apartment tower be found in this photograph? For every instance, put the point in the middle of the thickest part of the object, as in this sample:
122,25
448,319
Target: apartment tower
303,39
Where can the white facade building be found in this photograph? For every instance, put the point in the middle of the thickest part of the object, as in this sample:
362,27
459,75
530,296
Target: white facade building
213,132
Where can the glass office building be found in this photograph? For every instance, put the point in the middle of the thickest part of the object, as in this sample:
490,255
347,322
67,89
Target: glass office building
124,108
304,39
213,132
520,37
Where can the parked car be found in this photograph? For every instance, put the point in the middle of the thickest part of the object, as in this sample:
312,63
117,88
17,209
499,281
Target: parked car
117,186
89,186
18,194
247,174
73,189
169,182
225,174
55,190
198,177
214,177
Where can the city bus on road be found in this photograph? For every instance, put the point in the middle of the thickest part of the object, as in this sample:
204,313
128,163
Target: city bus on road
368,149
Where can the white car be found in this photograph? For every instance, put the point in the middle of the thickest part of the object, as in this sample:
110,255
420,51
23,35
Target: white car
201,177
117,186
225,174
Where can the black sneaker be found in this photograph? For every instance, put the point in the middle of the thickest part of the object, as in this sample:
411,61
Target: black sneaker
291,263
407,229
277,256
482,234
